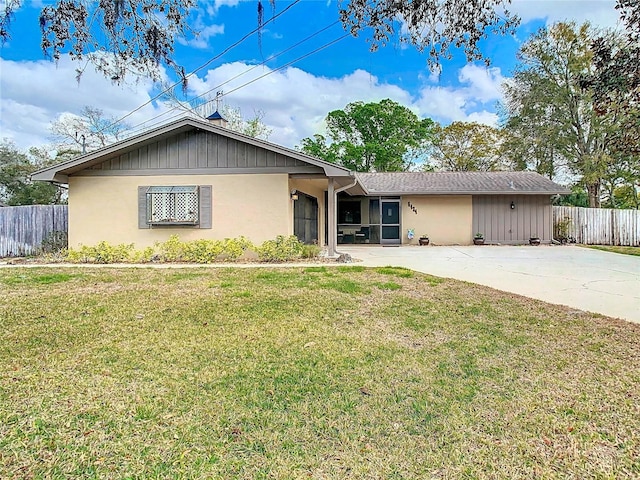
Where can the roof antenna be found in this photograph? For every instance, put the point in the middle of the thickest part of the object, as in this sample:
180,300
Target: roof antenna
215,117
84,143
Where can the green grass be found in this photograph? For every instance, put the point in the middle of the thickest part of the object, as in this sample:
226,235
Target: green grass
43,279
307,373
614,249
395,271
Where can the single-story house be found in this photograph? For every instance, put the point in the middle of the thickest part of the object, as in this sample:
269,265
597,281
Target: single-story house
198,179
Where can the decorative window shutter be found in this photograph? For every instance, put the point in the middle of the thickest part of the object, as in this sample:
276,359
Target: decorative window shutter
206,201
142,207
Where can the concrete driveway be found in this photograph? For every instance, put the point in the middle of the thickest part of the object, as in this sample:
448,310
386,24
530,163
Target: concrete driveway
592,280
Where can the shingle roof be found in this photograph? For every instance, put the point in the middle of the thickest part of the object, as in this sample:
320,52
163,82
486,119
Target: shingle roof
399,183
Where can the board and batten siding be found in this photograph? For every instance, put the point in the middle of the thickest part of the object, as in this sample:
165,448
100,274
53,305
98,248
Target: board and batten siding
499,223
198,150
23,228
601,226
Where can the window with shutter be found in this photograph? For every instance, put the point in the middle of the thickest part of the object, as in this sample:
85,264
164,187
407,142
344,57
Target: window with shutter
174,205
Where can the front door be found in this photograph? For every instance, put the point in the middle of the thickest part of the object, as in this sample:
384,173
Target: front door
390,214
305,218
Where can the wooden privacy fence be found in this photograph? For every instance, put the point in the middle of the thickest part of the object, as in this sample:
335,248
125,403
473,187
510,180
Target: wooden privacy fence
23,229
599,226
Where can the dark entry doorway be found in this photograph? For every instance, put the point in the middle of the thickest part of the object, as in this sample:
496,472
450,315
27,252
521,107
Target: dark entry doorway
390,222
305,218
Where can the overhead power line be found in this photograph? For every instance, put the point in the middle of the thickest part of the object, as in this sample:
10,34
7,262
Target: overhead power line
326,45
264,62
208,62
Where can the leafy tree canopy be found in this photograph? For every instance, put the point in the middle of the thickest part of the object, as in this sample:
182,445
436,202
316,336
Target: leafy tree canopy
15,186
373,137
467,147
139,35
615,77
432,26
554,115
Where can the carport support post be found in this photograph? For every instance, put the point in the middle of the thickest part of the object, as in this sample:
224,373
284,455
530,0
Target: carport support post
332,219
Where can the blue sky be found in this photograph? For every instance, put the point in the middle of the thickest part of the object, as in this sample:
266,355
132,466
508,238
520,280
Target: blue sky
34,92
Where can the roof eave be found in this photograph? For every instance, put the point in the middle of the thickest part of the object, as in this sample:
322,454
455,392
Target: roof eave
50,175
56,172
467,192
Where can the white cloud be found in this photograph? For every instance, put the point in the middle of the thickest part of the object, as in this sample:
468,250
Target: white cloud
295,102
225,3
473,100
487,118
201,39
25,124
598,12
36,93
484,82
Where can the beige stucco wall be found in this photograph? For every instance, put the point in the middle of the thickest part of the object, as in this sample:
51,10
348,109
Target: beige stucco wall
313,188
446,219
106,208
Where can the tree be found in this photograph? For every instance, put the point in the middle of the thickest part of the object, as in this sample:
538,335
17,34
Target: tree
467,147
136,37
433,26
615,81
379,137
252,127
87,131
621,183
16,188
547,102
319,148
526,146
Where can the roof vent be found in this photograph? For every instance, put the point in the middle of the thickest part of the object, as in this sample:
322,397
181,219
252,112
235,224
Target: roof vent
217,119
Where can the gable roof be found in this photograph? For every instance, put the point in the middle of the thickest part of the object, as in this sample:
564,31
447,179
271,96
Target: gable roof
59,173
458,183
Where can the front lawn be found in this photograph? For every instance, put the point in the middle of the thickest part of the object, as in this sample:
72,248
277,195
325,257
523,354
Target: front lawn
321,372
616,249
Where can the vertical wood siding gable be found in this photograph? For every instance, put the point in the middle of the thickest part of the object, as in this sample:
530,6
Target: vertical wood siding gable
134,161
198,149
152,155
227,153
163,154
172,153
202,153
214,159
